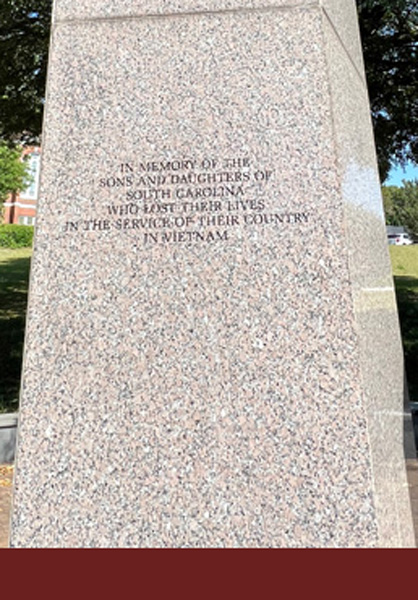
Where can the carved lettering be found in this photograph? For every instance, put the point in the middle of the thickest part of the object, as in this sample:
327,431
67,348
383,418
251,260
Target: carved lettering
186,200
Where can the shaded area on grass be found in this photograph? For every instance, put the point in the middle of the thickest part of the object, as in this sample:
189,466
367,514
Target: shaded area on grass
407,297
14,279
405,271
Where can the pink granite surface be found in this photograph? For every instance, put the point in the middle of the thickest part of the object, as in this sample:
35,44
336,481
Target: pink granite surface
194,375
382,368
105,9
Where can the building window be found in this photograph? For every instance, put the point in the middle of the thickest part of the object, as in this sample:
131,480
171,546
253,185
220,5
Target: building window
34,164
24,220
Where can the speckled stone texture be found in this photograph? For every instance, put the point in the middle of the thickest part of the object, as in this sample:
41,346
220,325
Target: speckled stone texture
206,356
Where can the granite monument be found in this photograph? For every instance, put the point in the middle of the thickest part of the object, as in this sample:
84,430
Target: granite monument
206,359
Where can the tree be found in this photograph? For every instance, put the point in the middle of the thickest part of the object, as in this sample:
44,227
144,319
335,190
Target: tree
13,172
401,206
389,30
24,38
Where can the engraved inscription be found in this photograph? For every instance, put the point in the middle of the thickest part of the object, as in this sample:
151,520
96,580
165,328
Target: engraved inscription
186,200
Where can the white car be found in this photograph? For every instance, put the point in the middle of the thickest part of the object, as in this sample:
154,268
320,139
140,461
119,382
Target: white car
399,239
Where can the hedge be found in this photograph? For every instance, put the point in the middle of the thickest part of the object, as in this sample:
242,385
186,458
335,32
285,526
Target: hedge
16,236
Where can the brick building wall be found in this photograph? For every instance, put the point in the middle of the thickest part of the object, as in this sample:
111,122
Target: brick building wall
20,208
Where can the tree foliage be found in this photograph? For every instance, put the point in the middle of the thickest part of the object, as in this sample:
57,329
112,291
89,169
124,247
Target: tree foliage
13,171
401,206
24,38
389,30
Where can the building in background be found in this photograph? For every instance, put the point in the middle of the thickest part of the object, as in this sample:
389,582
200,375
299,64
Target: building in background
20,207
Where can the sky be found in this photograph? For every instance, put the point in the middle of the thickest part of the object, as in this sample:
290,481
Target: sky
398,174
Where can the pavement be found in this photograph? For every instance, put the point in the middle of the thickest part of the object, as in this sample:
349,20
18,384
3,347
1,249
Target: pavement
6,485
6,481
412,473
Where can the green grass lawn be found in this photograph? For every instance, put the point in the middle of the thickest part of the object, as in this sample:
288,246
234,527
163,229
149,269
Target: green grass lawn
14,277
405,270
405,261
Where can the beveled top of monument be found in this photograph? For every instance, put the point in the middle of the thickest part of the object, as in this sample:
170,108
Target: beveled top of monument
341,13
80,9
